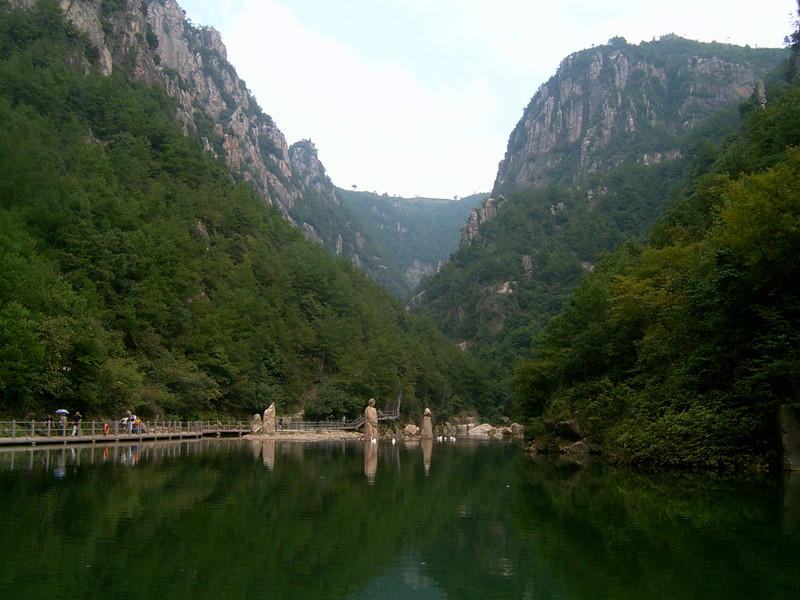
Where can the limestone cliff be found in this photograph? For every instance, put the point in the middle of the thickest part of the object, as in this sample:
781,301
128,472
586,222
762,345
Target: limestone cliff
152,41
622,102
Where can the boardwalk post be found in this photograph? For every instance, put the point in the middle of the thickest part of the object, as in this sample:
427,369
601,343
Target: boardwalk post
13,431
33,428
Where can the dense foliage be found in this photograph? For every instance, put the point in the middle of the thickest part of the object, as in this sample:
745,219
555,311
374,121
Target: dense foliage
498,292
135,273
415,232
678,351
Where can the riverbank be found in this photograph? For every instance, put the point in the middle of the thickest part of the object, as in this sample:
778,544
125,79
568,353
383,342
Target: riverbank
307,436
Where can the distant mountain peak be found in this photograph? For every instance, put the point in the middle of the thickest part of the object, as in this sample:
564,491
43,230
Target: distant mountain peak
622,102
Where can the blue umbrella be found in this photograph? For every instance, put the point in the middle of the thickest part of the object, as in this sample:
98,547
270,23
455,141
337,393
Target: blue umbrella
61,411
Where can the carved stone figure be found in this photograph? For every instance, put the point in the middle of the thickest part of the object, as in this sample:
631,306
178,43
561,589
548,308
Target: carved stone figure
427,425
269,420
255,424
371,421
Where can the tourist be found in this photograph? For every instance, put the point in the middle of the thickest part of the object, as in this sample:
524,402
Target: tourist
76,423
63,422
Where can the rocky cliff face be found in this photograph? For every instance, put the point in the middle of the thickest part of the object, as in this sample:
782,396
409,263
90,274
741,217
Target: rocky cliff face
152,41
485,212
621,102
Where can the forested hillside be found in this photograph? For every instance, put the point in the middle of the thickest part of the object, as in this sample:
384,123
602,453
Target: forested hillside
136,273
600,152
417,234
678,351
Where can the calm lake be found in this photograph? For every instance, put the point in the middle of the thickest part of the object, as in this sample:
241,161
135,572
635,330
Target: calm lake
229,519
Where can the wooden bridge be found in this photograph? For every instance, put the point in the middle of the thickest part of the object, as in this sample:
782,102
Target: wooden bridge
32,433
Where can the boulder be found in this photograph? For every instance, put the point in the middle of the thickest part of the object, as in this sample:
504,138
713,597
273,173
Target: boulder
484,430
568,428
411,431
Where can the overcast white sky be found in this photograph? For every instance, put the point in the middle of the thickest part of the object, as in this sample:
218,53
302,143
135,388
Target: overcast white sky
418,97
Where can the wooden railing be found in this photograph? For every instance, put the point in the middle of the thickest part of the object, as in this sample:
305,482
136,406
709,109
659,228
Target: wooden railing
33,430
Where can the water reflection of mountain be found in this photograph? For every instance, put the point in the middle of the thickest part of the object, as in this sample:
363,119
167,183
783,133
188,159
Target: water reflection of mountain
303,521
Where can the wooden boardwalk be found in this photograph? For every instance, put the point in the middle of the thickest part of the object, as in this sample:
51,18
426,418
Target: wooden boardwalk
40,433
37,433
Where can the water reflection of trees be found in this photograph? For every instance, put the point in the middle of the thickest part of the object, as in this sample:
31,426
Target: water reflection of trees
303,520
602,533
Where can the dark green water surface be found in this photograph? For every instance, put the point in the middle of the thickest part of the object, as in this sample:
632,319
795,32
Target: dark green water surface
228,519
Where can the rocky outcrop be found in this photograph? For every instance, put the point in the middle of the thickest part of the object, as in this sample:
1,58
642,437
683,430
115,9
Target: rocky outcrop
603,102
153,42
478,216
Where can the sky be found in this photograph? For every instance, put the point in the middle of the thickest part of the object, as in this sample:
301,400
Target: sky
419,97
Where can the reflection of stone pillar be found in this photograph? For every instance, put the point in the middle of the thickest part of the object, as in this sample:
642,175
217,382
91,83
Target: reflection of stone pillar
268,454
370,460
371,421
427,426
269,420
427,450
256,448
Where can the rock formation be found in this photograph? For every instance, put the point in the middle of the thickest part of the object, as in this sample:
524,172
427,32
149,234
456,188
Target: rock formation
427,426
604,103
269,420
154,43
256,425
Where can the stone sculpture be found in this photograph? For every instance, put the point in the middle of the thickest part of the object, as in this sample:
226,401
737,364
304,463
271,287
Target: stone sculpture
255,424
269,420
371,422
427,425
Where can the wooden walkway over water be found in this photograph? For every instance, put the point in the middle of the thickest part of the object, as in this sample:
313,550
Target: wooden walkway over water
33,433
36,433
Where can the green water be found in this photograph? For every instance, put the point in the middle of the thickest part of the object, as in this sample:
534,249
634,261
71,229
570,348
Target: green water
229,519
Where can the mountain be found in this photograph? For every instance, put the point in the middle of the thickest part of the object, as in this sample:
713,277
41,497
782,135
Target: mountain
591,164
155,44
418,234
682,350
624,103
147,258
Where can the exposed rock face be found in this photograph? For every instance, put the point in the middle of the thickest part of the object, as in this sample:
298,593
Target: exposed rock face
153,42
488,210
580,120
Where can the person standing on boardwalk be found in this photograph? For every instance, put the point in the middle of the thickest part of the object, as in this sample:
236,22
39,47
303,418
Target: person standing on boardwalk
371,422
76,423
62,420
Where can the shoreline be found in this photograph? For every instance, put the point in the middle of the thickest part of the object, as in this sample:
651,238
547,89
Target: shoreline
306,436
